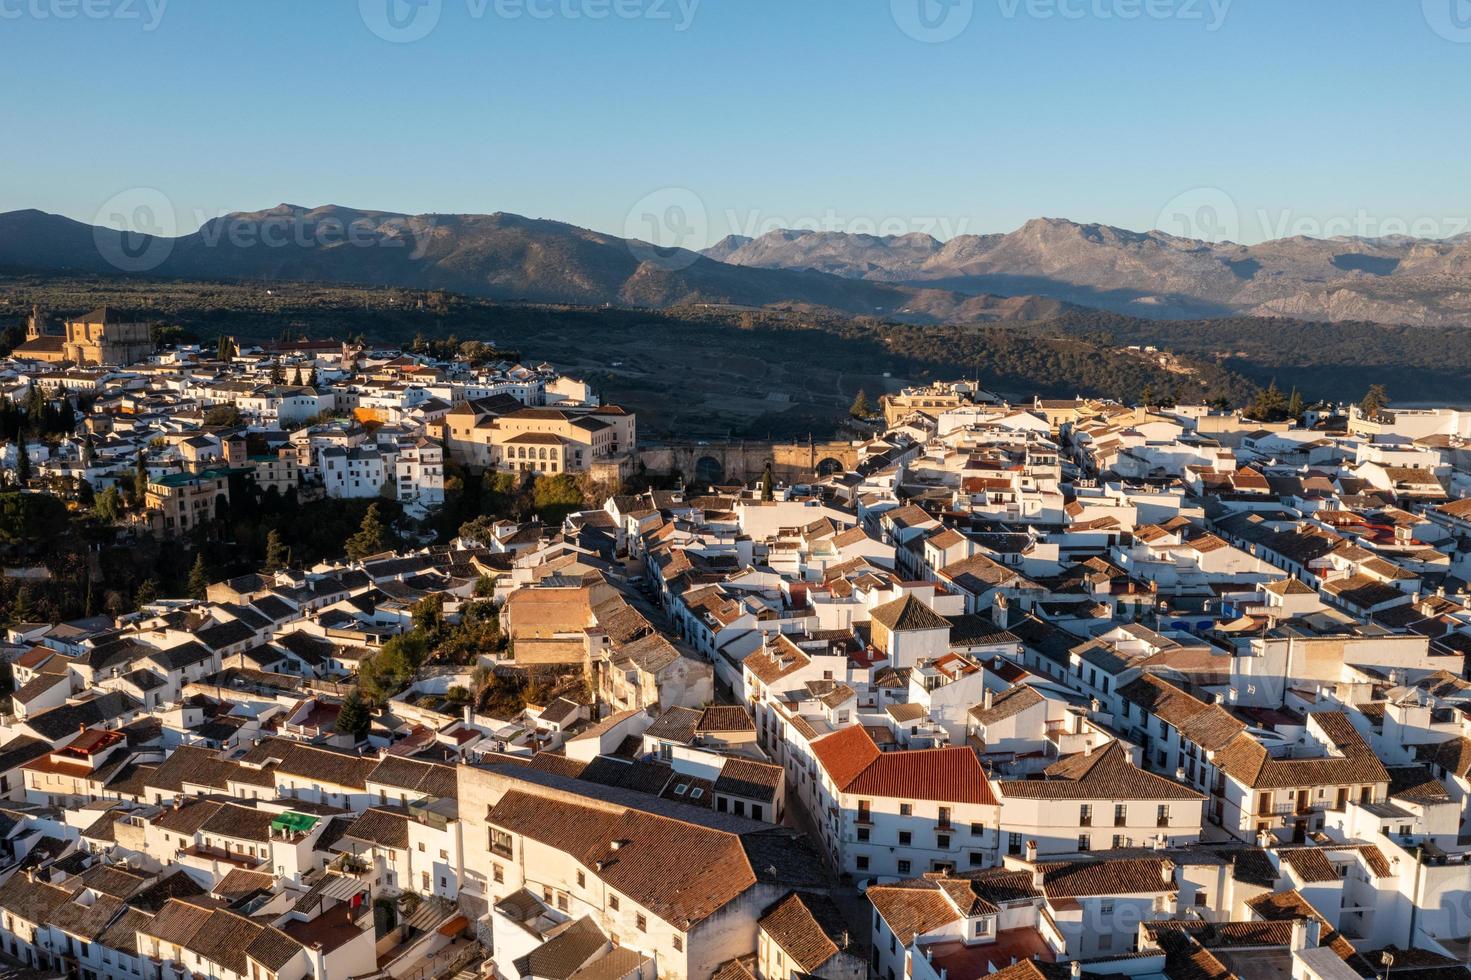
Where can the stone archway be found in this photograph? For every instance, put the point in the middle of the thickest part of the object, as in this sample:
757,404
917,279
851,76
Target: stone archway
709,470
830,467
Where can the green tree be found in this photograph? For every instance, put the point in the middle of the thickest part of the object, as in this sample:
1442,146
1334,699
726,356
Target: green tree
140,479
198,578
278,373
1375,401
554,497
355,718
147,592
1295,405
223,415
22,460
109,505
506,495
393,667
371,538
32,518
1270,405
862,408
225,349
428,615
276,553
36,405
768,483
296,378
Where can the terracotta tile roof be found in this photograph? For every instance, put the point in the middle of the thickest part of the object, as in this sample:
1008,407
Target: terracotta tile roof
1186,959
675,725
837,695
946,775
1246,761
733,970
1106,774
1127,876
855,764
419,777
1453,755
1033,970
770,664
749,779
1162,699
908,613
1224,935
616,964
725,718
905,712
679,871
319,764
809,929
1310,864
564,954
1289,905
1012,701
845,754
909,911
381,826
1416,784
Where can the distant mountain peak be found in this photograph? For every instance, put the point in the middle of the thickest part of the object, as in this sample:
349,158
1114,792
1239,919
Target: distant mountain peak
1045,266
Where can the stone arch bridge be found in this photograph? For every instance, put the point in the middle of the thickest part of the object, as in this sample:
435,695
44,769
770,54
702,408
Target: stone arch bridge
743,462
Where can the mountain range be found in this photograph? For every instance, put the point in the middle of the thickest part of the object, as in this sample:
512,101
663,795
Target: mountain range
497,256
1150,274
1044,269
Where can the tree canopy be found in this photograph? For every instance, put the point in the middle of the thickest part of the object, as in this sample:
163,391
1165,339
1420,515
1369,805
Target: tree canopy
371,539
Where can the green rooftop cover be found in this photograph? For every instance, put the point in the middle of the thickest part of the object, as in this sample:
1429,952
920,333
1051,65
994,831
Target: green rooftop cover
293,822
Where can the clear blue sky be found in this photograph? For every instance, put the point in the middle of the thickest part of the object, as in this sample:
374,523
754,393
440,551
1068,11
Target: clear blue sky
768,111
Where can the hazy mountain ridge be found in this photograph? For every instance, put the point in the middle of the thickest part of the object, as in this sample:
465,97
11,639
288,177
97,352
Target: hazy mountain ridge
498,256
1152,274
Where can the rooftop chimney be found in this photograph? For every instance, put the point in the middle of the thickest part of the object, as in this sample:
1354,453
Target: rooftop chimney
1031,852
1076,970
1179,774
986,699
